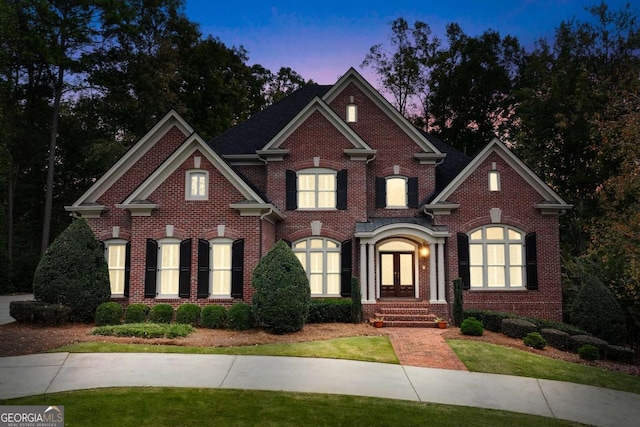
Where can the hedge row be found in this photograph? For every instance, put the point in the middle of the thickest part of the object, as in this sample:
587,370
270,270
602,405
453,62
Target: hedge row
330,311
38,312
559,335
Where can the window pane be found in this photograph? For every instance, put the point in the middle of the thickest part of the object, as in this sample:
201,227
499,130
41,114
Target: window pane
331,244
475,254
315,281
351,113
397,247
333,262
327,199
514,235
387,269
306,199
170,256
221,256
515,277
494,181
116,254
333,284
476,277
316,262
495,276
169,282
515,254
476,235
306,182
116,278
221,282
317,243
495,254
406,269
300,245
397,192
302,257
495,233
326,182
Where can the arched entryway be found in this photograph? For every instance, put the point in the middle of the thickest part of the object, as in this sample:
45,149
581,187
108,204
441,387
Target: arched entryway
397,268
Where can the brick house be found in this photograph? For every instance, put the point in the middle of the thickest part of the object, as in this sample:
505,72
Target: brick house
355,189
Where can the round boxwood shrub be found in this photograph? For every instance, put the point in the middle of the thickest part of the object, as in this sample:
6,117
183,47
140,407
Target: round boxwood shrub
74,272
472,326
518,328
240,316
136,313
108,313
577,341
535,340
282,293
161,313
556,338
597,311
213,316
188,314
589,352
620,354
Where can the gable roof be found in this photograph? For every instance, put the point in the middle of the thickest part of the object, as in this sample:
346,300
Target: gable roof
551,199
254,133
132,156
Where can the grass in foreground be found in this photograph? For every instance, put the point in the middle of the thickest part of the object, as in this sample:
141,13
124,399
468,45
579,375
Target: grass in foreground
179,406
145,330
495,359
367,349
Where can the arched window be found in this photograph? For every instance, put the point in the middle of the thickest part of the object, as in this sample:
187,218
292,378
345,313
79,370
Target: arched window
496,257
320,258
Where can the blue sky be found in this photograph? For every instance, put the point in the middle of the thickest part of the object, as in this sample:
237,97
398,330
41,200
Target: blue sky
322,39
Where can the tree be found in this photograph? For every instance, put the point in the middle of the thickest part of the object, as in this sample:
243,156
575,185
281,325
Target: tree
402,72
282,292
74,272
469,90
283,84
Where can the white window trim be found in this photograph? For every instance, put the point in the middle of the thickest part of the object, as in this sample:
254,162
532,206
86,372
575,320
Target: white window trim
317,172
161,243
355,113
507,259
406,192
187,187
107,245
212,268
324,250
498,186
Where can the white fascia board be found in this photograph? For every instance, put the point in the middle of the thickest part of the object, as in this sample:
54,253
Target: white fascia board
518,165
353,76
193,143
316,104
134,154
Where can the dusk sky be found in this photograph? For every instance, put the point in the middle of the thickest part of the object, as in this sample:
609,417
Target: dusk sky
321,39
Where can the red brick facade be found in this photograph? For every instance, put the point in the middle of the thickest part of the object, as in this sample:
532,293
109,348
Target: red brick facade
252,207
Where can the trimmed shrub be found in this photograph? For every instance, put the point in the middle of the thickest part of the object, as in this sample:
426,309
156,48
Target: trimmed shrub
329,311
535,340
108,313
188,314
356,301
282,294
240,316
38,312
458,310
491,320
620,354
578,341
161,313
589,352
471,326
556,338
145,330
136,313
74,272
517,328
564,327
597,311
213,316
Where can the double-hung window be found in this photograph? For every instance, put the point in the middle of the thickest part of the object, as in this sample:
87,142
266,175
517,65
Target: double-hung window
317,189
220,268
168,268
197,185
496,257
320,258
117,254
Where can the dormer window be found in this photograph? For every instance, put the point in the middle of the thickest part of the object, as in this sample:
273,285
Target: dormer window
197,185
494,180
352,113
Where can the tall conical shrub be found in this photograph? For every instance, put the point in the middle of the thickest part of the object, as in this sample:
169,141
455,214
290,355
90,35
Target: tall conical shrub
356,301
73,272
282,293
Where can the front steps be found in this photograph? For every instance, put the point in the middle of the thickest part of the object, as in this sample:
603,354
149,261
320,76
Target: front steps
405,315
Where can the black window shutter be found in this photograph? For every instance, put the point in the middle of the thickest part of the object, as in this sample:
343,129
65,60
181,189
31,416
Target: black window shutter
127,268
103,248
184,281
151,269
381,192
237,268
345,269
204,255
292,190
412,192
287,242
531,255
463,260
341,184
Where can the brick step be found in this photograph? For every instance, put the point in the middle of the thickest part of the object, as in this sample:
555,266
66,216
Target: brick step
402,310
409,324
405,316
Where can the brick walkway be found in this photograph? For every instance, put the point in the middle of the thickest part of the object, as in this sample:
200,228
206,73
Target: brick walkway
423,347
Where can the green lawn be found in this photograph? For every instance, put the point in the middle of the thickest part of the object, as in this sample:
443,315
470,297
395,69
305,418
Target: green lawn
193,407
495,359
367,349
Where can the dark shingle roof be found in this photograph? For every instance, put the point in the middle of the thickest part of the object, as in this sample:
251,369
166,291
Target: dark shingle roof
452,165
254,133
